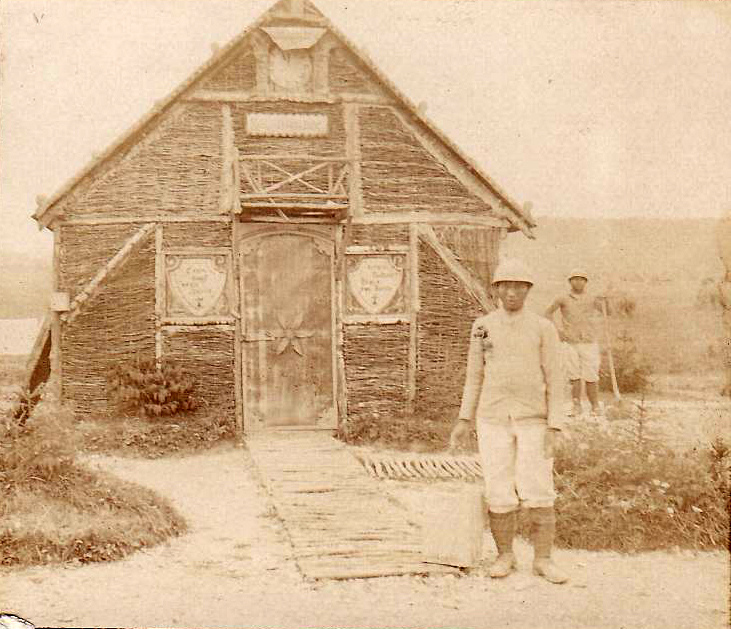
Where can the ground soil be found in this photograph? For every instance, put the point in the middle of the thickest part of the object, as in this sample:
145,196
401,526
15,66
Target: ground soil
234,569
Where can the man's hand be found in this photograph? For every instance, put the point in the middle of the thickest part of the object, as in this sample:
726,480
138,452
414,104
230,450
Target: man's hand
550,441
460,433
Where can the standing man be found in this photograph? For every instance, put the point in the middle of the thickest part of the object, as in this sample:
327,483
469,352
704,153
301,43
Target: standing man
513,390
579,312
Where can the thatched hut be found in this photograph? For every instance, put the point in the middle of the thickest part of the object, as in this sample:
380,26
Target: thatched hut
287,227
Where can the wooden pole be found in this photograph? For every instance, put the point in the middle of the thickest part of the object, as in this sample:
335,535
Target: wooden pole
55,358
607,336
414,312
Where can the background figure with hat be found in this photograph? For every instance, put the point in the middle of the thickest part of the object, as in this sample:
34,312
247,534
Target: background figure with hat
514,392
579,332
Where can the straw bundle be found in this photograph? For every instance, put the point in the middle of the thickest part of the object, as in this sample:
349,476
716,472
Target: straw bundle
376,370
399,174
208,354
114,326
346,75
445,320
85,249
176,167
197,235
237,75
378,235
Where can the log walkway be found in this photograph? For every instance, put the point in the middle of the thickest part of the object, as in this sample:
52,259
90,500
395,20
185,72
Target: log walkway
340,521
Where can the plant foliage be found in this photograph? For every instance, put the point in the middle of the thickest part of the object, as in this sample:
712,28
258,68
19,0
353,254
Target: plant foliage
142,386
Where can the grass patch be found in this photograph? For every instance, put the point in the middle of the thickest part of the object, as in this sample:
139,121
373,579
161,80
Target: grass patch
156,437
81,516
54,510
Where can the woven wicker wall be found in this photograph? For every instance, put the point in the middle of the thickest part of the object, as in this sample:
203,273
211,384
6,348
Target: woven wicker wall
196,234
399,174
378,235
85,249
376,370
346,75
331,146
118,323
239,74
477,248
208,353
176,167
445,320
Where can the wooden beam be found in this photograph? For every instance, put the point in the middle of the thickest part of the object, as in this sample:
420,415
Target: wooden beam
339,313
240,96
463,174
353,153
383,319
426,216
159,292
470,283
238,379
92,288
106,219
414,307
55,357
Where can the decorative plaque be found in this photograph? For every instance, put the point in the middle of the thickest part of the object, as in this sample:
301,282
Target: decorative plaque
197,285
287,125
376,284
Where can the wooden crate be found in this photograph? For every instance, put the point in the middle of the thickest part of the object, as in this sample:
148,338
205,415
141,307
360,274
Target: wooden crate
453,528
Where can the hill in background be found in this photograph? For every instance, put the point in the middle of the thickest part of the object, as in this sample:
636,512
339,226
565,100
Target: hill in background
26,285
661,265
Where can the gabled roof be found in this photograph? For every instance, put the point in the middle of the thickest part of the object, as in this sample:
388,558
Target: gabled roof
520,218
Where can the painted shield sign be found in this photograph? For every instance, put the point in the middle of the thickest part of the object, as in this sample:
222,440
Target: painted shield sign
197,283
374,282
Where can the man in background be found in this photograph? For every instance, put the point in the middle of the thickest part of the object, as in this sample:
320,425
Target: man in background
579,332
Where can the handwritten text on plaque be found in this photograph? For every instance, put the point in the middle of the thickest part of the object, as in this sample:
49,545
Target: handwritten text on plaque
196,284
375,281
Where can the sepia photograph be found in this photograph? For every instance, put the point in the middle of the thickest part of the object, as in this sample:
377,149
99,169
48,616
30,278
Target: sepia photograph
365,314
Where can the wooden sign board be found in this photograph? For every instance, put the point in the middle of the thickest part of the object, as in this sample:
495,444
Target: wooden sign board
453,528
375,284
287,125
197,285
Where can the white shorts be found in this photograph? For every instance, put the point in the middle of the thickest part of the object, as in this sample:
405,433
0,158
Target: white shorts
515,469
581,361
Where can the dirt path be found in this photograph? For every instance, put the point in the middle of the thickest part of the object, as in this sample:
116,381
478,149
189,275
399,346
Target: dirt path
234,568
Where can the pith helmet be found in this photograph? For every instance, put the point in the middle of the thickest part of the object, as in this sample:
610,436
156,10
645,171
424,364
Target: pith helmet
579,273
512,271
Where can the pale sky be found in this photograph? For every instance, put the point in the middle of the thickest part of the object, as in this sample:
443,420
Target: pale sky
583,108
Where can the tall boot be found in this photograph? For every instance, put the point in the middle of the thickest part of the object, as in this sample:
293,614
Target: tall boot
543,530
502,526
592,392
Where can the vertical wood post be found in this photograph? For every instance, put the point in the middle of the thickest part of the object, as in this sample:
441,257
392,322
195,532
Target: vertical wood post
56,377
353,155
238,343
342,397
414,307
159,292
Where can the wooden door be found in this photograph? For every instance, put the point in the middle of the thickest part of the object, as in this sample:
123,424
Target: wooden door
288,353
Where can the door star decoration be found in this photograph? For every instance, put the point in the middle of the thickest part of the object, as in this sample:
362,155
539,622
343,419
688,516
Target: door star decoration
290,334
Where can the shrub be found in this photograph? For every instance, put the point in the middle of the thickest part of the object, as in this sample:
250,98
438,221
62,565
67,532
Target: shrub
142,386
621,491
631,368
